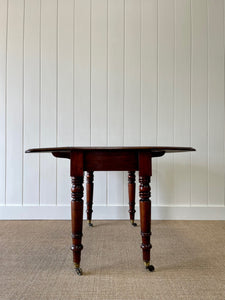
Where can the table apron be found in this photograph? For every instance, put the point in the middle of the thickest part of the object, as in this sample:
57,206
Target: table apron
110,161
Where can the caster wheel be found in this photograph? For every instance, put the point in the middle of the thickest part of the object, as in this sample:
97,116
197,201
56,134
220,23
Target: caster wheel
79,271
151,268
90,224
132,223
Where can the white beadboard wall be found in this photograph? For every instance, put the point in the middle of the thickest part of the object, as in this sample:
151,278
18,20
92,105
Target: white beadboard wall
112,72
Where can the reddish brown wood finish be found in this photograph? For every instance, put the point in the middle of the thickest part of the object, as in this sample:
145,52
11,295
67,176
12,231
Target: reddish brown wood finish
77,218
145,171
89,191
131,194
76,172
145,216
110,159
115,160
153,149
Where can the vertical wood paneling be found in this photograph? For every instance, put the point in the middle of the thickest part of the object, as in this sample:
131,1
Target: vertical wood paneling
14,161
149,79
65,95
166,71
82,107
166,45
182,100
99,95
112,72
132,73
99,73
199,103
216,102
132,79
115,71
3,56
115,92
48,111
31,100
82,73
149,72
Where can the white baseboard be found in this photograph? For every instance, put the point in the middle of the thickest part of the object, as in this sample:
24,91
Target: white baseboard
112,213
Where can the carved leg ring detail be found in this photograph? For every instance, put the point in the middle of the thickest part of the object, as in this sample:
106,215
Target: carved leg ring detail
131,192
77,220
89,188
145,214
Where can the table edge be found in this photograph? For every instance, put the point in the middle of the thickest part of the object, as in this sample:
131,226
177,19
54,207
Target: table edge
169,149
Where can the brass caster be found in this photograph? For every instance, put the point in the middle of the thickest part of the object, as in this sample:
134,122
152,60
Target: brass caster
133,223
90,224
77,269
149,267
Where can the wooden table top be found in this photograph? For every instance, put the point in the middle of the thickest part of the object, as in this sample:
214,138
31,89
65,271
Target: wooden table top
152,149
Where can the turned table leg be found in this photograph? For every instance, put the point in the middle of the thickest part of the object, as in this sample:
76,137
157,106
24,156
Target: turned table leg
89,189
145,207
131,193
145,216
77,221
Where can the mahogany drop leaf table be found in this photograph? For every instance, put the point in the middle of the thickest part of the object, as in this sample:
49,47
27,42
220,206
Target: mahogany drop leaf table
92,159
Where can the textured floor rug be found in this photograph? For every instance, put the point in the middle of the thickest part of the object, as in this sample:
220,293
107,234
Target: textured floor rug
36,261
